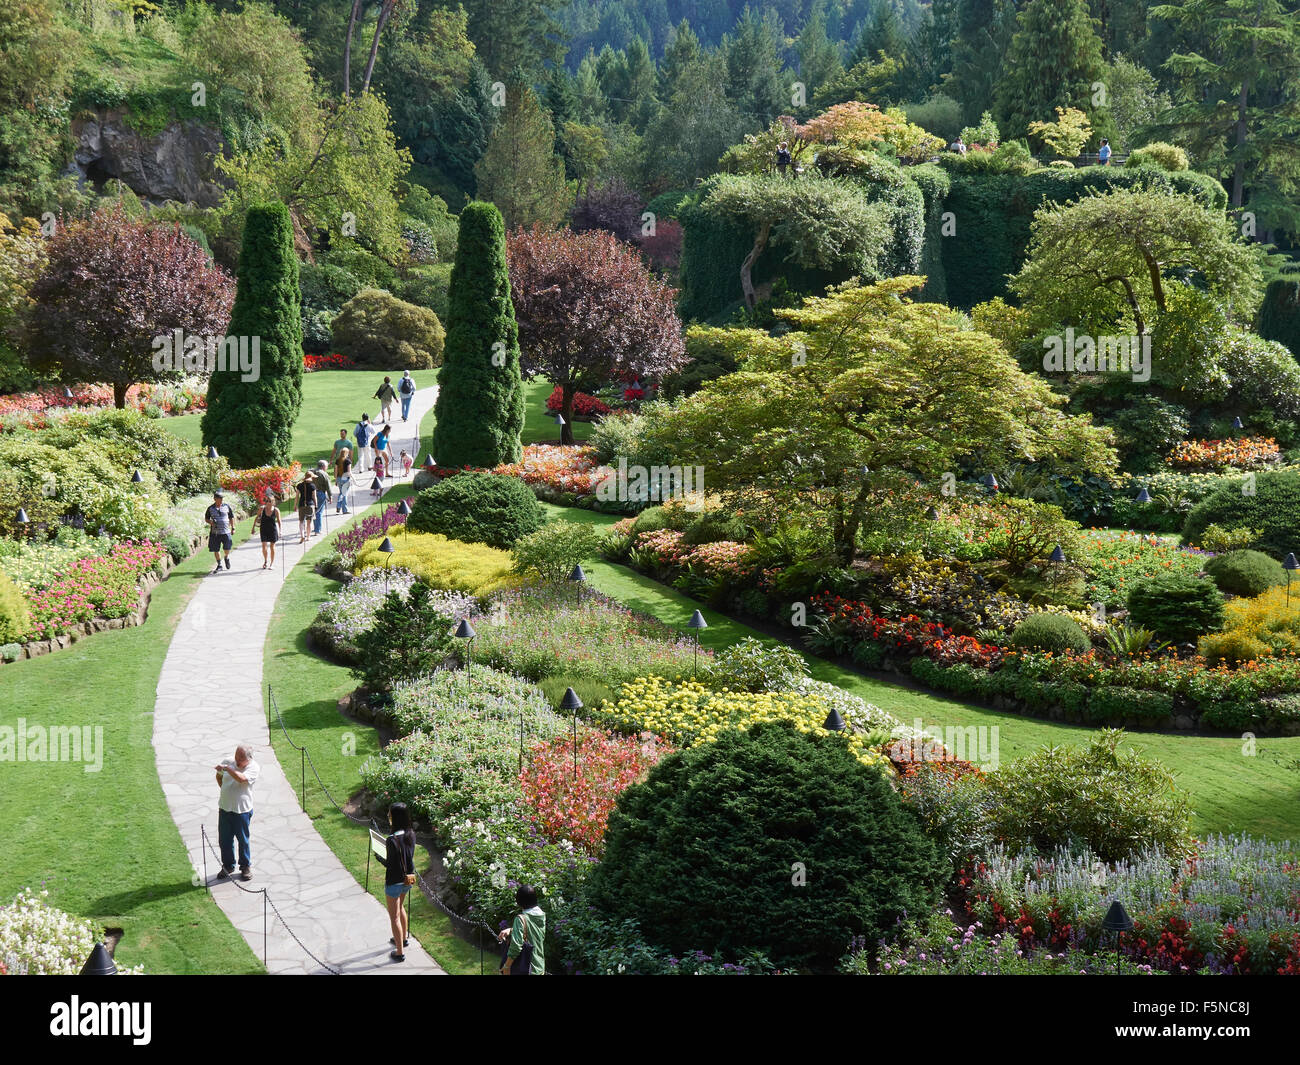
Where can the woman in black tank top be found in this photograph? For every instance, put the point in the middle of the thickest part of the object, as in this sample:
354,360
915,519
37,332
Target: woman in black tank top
267,520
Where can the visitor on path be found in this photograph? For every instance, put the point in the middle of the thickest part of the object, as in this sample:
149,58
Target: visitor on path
783,158
306,505
527,937
235,811
220,519
958,146
376,492
1103,153
383,450
342,450
407,463
267,522
399,876
406,388
386,395
342,486
324,493
364,433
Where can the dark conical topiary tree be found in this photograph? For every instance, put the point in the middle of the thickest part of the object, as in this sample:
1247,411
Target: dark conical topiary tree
480,408
250,415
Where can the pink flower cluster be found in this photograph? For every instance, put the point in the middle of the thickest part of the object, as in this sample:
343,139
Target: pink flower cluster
30,408
556,467
101,586
667,547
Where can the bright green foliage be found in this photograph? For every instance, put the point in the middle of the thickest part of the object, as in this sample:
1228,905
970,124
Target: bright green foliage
250,423
753,666
480,408
1115,802
1248,573
1158,153
1266,502
375,328
702,854
478,508
1050,632
1064,137
520,171
15,618
552,551
1054,59
410,638
1178,606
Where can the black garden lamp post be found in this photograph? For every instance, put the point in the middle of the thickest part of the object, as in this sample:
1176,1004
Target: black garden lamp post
577,577
834,721
67,392
136,478
573,704
1236,424
1056,559
560,423
1143,496
212,452
931,515
696,624
1289,564
1118,921
404,509
22,519
990,482
387,548
465,631
99,963
376,486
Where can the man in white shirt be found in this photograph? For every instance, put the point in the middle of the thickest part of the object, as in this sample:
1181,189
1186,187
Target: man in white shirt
235,810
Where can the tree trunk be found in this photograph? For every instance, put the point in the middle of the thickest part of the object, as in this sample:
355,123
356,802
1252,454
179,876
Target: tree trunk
384,12
119,394
347,49
566,412
846,533
747,267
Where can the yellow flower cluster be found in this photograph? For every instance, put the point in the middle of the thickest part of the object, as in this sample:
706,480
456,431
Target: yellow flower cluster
688,713
475,569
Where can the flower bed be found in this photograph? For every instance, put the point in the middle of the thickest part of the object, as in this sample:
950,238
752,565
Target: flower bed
556,471
278,481
38,940
1242,453
584,406
350,540
32,410
334,361
475,569
1114,562
100,586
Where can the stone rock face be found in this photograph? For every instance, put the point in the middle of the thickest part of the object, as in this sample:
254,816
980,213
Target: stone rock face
176,164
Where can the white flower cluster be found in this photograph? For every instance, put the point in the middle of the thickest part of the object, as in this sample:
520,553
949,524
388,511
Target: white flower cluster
38,940
351,610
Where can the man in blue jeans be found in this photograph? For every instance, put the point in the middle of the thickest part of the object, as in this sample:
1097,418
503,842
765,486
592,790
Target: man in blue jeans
235,811
406,389
324,492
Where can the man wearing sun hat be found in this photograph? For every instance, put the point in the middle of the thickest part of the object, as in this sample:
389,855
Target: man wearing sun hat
220,519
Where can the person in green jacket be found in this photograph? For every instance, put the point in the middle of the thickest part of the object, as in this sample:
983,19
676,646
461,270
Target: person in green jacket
529,926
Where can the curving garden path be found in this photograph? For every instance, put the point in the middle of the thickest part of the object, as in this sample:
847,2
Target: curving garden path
209,700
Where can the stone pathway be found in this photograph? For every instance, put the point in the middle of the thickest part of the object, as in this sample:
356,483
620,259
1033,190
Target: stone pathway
210,699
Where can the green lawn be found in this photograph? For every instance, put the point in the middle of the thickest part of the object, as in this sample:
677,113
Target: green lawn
307,690
1231,791
539,423
104,844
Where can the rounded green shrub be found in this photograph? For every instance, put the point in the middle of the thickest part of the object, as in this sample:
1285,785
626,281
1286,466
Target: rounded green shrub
1248,573
15,618
375,328
480,508
1050,632
715,525
1267,502
1159,153
1177,606
1117,803
326,287
704,852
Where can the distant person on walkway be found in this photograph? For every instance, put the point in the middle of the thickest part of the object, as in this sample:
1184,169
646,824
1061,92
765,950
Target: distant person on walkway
324,493
267,522
399,863
783,159
306,505
235,811
342,450
1103,153
379,476
342,486
382,448
364,433
406,388
407,463
527,936
386,395
958,146
220,519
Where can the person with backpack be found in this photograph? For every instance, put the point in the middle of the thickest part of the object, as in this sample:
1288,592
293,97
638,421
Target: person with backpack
324,493
406,388
306,504
363,434
220,520
525,952
386,395
399,876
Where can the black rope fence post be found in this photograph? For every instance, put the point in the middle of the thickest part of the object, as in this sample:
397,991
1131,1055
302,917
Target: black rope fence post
203,846
302,759
264,962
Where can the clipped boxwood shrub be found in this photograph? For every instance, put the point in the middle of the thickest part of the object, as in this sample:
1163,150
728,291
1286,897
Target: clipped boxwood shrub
1050,632
15,618
1273,509
1248,573
705,852
1115,802
375,328
480,508
1178,606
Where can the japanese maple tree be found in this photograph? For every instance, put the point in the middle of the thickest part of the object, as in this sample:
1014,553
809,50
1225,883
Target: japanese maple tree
588,309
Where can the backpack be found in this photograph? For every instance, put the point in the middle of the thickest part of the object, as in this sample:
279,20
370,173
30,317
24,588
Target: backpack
407,386
362,433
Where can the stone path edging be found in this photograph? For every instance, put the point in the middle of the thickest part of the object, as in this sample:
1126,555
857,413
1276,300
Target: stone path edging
209,699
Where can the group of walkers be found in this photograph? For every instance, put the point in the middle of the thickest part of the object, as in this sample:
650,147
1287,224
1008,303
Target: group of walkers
332,480
523,942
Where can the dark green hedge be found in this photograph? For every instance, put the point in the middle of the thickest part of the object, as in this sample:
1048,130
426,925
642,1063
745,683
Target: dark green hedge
1279,314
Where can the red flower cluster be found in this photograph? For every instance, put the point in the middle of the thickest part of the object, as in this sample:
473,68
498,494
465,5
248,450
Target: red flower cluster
32,407
908,634
256,483
584,406
335,361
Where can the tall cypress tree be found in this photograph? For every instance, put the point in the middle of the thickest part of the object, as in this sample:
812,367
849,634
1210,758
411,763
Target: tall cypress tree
480,408
250,422
1053,61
